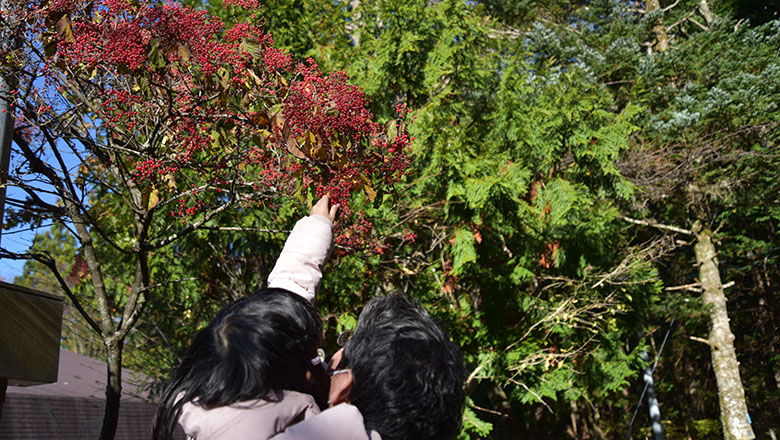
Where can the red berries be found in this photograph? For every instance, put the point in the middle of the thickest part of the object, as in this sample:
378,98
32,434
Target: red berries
199,112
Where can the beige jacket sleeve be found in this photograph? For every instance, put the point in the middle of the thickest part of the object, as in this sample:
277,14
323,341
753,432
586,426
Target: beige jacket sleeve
342,422
299,267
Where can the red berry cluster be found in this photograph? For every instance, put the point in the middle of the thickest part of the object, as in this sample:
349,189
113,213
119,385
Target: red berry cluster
120,42
63,5
397,161
276,59
409,236
245,4
116,6
357,235
187,207
147,169
117,108
197,108
327,106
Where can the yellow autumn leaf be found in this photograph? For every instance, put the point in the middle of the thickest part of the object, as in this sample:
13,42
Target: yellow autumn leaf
150,197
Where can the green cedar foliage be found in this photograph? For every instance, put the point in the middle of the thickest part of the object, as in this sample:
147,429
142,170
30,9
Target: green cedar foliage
512,206
537,125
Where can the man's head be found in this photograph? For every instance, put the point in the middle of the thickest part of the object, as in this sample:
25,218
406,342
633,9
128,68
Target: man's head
407,377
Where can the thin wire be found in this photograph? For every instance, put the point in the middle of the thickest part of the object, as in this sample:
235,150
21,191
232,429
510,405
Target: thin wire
23,230
642,397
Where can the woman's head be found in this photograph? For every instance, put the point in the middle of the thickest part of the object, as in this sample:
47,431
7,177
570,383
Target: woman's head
260,344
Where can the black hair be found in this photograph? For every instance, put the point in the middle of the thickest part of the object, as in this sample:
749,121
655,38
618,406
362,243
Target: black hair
254,347
408,376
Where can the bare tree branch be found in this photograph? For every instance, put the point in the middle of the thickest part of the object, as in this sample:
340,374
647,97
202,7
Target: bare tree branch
48,261
190,227
698,339
693,287
656,225
244,229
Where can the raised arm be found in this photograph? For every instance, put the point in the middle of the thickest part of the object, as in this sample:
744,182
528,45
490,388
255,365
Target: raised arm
299,266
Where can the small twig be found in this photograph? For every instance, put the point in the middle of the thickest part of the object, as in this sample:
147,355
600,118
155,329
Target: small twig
180,280
623,81
673,25
191,227
656,225
498,33
489,411
693,287
698,339
240,228
533,393
647,252
691,19
670,6
476,371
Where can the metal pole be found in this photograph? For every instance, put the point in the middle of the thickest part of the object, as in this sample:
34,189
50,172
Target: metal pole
655,411
6,135
8,43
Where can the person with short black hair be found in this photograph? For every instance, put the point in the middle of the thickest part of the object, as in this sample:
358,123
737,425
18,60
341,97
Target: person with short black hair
398,377
407,375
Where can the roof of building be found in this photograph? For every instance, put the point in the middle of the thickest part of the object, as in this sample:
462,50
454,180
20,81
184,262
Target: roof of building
82,376
73,407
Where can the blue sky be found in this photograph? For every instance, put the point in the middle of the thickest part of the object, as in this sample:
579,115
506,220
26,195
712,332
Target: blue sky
15,240
20,239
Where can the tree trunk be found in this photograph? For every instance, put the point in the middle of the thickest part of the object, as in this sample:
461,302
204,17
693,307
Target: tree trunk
354,26
114,348
661,38
733,409
704,8
3,388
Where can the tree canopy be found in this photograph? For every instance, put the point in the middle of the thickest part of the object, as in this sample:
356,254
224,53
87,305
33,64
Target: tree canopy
540,176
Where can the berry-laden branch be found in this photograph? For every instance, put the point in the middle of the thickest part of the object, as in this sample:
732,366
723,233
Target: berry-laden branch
149,120
178,99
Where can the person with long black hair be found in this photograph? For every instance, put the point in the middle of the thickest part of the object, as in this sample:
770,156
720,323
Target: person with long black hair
256,369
